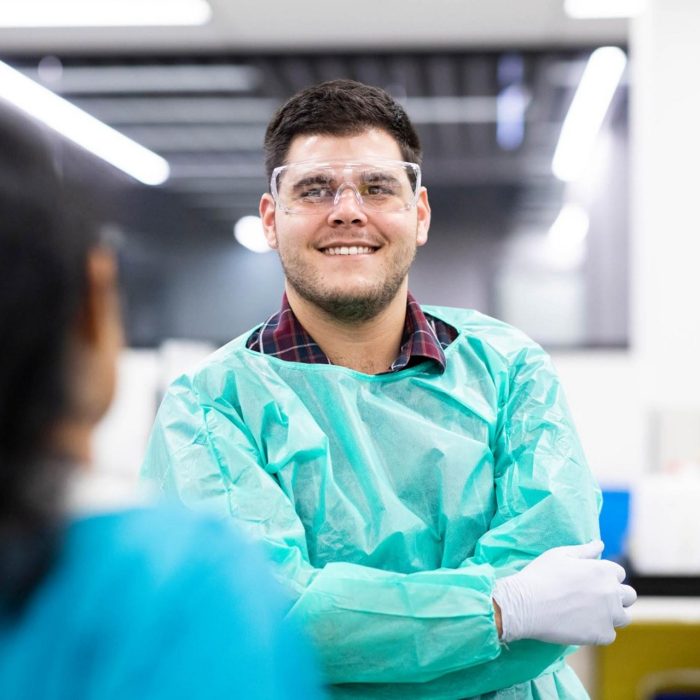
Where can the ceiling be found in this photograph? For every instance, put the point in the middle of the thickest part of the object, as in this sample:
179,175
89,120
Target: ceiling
201,96
248,26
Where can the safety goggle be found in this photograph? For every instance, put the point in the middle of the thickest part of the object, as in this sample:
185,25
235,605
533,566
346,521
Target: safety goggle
313,187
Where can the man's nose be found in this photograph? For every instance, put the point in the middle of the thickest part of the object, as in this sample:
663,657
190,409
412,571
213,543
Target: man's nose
347,206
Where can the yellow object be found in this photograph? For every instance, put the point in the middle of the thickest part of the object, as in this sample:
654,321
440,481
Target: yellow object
642,659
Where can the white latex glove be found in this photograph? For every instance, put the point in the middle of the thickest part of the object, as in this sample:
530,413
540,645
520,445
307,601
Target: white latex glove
565,596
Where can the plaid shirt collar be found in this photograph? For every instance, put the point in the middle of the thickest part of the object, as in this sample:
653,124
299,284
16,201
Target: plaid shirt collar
424,338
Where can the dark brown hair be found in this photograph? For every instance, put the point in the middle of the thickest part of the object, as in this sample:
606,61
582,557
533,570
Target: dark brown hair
43,251
339,108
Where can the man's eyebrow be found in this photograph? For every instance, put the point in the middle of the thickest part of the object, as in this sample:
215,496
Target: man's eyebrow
318,179
379,175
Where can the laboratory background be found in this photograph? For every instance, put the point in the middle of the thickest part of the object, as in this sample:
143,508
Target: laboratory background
562,144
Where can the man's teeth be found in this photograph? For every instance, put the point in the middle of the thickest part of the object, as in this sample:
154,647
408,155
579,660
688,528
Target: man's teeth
349,250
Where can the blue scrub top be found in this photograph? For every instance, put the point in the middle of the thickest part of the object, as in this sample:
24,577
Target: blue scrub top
155,603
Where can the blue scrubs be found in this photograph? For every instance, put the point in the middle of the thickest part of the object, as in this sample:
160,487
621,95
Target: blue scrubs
154,603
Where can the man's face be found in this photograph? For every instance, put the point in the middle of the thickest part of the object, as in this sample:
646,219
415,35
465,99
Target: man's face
381,245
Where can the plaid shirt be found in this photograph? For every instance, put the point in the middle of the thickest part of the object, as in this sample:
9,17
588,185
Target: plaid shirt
424,338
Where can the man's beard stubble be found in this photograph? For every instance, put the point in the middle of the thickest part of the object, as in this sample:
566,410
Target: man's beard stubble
347,307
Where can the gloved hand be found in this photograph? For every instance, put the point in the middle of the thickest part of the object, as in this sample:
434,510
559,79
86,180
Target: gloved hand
565,596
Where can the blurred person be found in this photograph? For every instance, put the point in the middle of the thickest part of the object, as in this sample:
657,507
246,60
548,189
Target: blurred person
412,471
101,597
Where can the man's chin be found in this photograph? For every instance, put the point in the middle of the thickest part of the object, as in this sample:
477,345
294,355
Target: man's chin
351,308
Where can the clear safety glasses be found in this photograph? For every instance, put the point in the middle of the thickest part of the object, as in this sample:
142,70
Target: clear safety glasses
311,187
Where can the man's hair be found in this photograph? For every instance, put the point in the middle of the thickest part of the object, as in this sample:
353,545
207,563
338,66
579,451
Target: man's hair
339,108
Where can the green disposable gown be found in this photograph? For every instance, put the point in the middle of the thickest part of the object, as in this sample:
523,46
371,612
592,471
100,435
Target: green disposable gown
389,504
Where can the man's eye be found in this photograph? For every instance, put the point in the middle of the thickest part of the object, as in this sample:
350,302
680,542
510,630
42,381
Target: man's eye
316,193
379,190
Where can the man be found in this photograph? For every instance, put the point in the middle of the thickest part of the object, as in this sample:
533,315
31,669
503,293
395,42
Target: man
403,466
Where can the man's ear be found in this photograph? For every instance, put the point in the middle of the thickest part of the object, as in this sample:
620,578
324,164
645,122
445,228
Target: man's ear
267,215
423,212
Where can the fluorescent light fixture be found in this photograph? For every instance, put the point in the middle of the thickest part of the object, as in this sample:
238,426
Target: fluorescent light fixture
570,228
82,128
511,105
105,13
602,9
567,236
248,231
588,109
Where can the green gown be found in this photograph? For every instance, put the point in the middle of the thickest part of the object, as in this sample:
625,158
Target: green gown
389,504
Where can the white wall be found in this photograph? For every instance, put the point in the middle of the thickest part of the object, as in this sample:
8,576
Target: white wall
615,396
604,395
120,439
665,123
119,443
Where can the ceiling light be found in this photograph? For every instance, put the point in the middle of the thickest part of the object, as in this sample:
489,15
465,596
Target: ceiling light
567,236
602,9
105,13
82,128
570,228
588,109
249,232
512,103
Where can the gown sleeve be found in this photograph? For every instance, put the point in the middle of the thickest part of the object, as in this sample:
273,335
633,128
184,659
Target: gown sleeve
546,495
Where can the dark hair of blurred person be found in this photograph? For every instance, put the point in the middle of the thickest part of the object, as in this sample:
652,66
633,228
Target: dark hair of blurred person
117,601
46,253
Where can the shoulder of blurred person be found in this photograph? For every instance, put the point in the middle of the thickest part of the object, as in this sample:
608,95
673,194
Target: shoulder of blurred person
155,602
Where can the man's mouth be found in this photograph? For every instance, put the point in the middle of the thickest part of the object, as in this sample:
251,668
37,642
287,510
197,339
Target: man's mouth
348,250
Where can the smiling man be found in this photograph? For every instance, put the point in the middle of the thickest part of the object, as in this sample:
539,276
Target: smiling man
346,214
412,471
